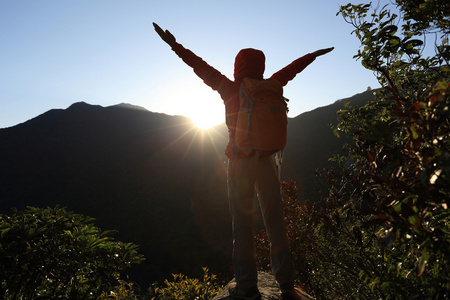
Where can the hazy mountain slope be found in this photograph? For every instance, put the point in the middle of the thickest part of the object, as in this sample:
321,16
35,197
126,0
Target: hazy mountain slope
155,178
311,143
133,170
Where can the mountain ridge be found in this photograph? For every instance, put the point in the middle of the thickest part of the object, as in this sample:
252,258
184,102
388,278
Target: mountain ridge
155,178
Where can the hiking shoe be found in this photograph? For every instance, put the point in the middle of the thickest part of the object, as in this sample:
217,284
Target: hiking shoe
238,294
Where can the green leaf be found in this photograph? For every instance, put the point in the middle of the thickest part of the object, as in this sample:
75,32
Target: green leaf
414,133
423,261
5,231
336,133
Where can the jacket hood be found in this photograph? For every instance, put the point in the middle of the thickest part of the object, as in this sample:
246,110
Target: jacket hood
249,63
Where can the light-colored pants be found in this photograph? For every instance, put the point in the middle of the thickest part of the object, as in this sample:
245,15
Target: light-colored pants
245,175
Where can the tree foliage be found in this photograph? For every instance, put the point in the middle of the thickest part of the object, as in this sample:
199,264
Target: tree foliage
54,254
395,185
382,227
427,14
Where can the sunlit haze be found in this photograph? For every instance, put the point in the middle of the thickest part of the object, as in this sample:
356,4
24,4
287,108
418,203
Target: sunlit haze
55,53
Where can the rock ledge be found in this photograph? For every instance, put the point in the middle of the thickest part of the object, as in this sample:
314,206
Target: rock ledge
267,285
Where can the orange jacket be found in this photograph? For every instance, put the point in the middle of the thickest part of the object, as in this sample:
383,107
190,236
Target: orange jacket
248,63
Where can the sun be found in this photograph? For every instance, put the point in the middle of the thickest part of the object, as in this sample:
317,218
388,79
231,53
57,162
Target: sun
190,97
201,104
206,120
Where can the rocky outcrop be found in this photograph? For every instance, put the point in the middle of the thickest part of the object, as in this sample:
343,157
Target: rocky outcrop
267,285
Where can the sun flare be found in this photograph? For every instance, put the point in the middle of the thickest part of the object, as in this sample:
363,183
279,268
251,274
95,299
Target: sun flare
206,121
190,97
206,109
203,106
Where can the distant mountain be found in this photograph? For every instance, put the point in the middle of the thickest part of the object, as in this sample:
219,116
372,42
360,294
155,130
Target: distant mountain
155,178
311,142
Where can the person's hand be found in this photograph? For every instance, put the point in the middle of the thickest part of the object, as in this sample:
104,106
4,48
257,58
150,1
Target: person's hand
323,51
165,35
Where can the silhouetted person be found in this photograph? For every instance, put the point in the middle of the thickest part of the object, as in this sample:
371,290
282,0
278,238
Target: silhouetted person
245,176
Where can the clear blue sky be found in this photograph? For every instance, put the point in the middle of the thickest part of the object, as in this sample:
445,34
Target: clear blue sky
54,53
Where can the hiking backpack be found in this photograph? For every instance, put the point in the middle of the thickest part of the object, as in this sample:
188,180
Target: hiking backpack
262,117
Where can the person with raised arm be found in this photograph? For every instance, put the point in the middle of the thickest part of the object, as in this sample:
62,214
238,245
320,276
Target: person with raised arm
245,176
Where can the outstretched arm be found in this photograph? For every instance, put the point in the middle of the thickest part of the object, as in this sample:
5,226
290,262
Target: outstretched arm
288,73
210,76
165,35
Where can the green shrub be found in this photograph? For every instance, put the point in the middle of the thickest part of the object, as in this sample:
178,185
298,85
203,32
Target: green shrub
184,288
123,291
52,253
326,257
